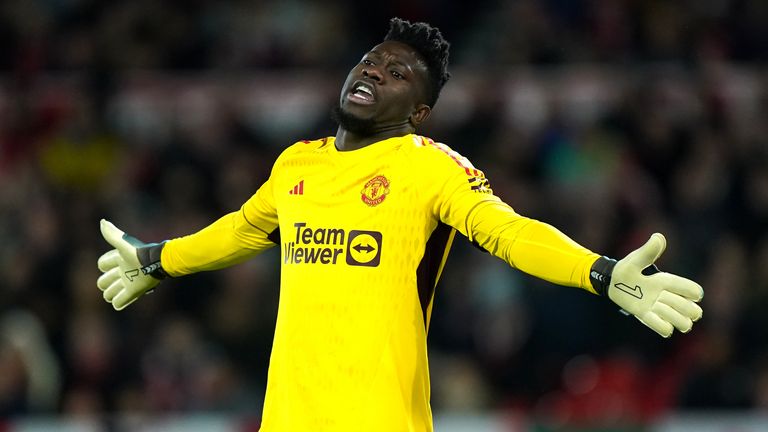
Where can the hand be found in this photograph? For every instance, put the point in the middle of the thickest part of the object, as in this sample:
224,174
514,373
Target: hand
662,301
126,277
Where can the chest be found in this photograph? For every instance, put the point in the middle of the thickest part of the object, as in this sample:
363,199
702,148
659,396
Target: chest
378,191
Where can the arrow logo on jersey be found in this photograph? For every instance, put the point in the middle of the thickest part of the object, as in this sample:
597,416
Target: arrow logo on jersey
298,189
367,248
364,248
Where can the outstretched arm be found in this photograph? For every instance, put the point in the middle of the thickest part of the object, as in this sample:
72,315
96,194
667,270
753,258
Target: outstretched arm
661,301
232,239
132,268
529,245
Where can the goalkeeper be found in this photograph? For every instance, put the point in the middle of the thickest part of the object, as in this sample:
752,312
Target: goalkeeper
365,220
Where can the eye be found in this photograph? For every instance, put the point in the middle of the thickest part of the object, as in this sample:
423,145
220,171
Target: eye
397,75
367,62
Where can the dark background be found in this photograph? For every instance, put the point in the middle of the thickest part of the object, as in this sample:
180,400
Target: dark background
608,119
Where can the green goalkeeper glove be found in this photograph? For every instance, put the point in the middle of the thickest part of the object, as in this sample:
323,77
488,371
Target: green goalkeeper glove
660,300
130,270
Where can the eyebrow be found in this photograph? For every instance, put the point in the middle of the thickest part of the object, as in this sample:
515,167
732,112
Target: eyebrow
393,61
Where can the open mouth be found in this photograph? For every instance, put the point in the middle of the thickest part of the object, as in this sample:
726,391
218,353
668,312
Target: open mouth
362,93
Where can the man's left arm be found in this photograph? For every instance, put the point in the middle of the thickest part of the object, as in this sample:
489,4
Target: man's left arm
529,245
662,301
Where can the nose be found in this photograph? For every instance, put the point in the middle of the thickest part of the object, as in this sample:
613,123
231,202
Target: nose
372,73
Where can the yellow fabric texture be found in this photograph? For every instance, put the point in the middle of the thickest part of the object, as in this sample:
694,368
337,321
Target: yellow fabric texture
364,236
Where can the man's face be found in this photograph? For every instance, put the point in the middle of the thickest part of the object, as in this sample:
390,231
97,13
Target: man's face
384,88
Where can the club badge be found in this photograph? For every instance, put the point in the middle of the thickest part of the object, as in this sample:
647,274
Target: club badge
375,190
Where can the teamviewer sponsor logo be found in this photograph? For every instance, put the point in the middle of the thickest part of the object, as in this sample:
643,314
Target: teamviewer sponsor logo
326,245
364,248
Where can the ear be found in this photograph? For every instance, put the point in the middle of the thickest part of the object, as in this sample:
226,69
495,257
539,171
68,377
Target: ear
420,114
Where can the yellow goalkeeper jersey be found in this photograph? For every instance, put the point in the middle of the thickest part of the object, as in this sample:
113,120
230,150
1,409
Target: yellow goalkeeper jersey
364,236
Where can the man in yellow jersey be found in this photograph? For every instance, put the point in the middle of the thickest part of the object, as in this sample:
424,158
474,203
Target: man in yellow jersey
365,220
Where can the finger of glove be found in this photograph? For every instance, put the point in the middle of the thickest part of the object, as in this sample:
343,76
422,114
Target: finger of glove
122,306
684,306
648,253
657,324
105,280
123,299
680,285
670,315
113,235
109,260
113,290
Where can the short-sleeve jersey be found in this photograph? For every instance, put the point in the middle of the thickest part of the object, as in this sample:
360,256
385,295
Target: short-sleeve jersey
364,236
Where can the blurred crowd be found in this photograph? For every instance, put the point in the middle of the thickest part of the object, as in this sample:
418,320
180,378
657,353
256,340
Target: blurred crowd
607,119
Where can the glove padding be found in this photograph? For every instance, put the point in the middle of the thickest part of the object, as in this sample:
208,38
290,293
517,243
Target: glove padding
661,301
125,278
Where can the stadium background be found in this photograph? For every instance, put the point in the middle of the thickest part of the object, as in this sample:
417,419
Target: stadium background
609,119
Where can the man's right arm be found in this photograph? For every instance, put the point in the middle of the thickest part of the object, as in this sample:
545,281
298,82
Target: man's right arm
133,267
232,239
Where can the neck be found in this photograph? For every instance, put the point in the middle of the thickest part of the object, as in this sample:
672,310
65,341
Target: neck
348,141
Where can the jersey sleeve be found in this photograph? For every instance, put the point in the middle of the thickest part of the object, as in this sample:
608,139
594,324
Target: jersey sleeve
233,238
464,200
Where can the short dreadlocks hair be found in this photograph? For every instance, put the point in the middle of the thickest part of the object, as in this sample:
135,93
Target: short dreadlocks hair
430,44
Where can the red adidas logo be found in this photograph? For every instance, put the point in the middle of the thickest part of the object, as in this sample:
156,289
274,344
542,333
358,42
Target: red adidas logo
298,189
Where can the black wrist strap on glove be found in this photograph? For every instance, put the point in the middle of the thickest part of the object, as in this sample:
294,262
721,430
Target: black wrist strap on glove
149,257
600,274
602,269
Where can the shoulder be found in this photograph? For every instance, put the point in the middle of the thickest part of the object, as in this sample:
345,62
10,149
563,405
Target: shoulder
307,146
428,151
303,147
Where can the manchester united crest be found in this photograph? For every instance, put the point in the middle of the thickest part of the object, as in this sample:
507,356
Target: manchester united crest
375,190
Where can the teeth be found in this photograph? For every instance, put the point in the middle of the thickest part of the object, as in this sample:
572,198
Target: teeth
364,89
